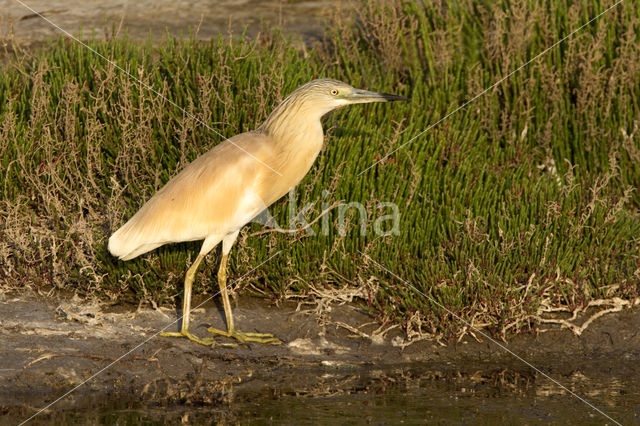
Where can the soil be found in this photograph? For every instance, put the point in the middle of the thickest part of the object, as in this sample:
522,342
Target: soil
305,19
110,358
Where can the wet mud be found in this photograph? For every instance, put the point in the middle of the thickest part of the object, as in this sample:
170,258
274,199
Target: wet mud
307,20
123,373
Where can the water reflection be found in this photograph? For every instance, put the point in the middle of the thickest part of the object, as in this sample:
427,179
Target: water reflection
368,394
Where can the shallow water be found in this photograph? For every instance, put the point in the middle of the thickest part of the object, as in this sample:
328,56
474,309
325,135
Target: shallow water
342,380
417,395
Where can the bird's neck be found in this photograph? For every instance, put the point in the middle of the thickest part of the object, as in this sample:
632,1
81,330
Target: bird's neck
294,125
296,138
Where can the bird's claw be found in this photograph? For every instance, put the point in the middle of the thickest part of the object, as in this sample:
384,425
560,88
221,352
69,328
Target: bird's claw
190,336
243,337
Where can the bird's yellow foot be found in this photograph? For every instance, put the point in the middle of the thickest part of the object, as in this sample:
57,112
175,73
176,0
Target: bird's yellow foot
188,335
243,337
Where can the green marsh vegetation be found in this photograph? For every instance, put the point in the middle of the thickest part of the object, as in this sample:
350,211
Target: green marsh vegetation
523,202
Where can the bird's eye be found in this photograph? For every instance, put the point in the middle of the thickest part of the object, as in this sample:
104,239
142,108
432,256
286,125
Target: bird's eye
334,92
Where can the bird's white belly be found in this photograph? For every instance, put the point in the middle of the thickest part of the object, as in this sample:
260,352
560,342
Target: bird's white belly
248,207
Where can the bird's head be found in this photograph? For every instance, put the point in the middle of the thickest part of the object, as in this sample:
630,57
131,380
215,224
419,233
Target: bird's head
309,102
324,95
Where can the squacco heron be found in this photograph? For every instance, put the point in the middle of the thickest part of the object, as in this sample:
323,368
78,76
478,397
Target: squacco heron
213,197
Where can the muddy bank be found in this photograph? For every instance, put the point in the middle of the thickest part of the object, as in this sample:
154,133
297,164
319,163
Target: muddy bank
51,346
139,19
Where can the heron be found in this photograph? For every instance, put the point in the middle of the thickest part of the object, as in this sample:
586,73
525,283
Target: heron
218,193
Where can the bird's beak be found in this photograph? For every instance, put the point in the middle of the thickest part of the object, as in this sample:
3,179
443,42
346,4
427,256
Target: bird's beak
359,96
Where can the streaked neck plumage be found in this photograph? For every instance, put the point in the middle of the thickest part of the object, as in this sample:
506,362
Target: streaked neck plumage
295,118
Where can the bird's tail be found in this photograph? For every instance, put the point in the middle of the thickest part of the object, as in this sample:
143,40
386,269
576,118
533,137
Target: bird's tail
126,246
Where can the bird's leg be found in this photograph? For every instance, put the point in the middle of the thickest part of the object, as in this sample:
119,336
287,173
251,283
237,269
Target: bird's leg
242,337
186,307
